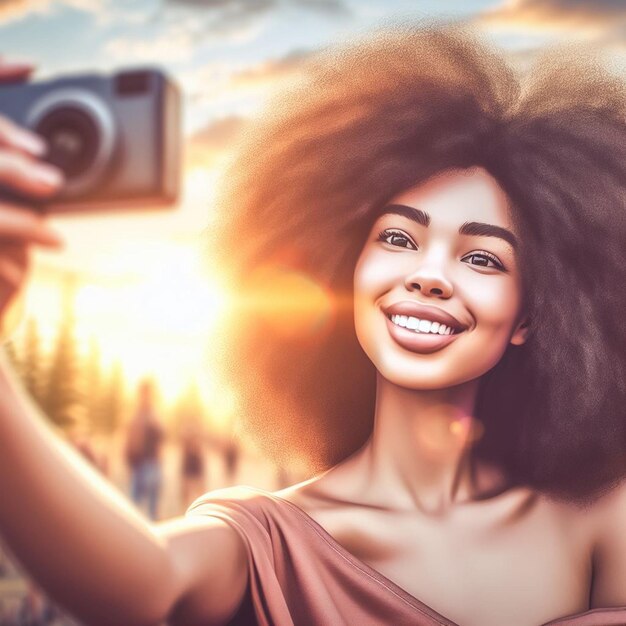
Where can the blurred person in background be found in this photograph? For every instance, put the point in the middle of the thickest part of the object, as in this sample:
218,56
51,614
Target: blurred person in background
144,439
192,458
231,453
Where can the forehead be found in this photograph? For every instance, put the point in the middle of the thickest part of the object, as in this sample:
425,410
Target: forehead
457,196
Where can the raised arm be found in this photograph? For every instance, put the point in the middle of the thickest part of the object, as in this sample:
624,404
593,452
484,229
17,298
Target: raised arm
74,533
90,549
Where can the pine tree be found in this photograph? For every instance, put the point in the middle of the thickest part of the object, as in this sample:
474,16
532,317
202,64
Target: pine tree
92,385
13,355
113,403
62,400
32,362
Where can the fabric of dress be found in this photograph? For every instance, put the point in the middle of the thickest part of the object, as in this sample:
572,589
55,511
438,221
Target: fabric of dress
299,575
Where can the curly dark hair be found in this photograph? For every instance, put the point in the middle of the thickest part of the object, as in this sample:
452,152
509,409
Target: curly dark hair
375,118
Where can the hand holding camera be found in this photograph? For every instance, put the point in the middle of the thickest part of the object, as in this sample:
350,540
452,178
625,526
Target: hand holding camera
21,171
77,144
115,137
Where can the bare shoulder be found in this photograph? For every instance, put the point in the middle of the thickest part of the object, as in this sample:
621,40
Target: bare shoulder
307,495
607,521
210,569
335,489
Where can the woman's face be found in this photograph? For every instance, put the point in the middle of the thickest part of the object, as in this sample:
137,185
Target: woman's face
442,252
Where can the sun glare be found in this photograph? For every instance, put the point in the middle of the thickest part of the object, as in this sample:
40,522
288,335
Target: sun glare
155,313
292,303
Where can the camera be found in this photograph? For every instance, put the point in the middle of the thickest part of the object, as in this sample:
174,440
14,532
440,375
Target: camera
116,137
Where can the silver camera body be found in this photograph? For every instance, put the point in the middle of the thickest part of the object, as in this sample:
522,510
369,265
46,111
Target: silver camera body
117,138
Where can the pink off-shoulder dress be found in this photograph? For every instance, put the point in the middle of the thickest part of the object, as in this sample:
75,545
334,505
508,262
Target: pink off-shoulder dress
300,576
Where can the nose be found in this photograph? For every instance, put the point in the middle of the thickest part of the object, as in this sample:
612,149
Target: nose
429,281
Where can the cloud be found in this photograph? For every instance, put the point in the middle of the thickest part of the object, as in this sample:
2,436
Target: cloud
183,25
252,7
213,142
227,17
272,70
333,7
173,46
15,10
213,21
601,20
224,15
219,134
221,86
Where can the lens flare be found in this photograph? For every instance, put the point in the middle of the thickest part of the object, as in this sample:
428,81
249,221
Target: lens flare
444,429
288,301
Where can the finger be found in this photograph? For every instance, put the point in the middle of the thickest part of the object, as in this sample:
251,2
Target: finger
26,227
14,136
20,173
15,72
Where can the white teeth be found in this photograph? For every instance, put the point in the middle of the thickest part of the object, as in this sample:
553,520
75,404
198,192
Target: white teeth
421,326
424,326
413,323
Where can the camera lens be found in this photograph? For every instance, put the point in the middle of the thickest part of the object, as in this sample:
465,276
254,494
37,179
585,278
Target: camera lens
81,132
73,139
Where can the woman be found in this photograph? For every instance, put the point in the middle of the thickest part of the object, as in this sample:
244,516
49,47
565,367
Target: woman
463,389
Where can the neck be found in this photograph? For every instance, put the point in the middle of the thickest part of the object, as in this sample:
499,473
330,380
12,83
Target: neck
419,450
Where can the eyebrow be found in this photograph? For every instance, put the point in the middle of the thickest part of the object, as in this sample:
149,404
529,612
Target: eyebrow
467,228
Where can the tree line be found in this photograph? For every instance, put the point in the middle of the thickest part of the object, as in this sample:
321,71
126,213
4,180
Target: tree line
68,386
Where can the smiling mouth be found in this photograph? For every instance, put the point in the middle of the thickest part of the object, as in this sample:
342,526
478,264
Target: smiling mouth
422,326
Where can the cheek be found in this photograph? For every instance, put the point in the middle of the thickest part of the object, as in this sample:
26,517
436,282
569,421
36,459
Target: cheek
379,271
373,277
373,273
494,303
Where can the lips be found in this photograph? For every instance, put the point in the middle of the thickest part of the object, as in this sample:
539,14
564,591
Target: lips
424,312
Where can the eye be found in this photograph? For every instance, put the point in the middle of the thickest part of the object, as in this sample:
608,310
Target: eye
396,238
484,259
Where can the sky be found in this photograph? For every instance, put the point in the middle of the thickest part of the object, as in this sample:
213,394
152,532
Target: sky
139,284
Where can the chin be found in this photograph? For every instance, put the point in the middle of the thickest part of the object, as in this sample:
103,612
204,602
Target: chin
430,372
424,381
